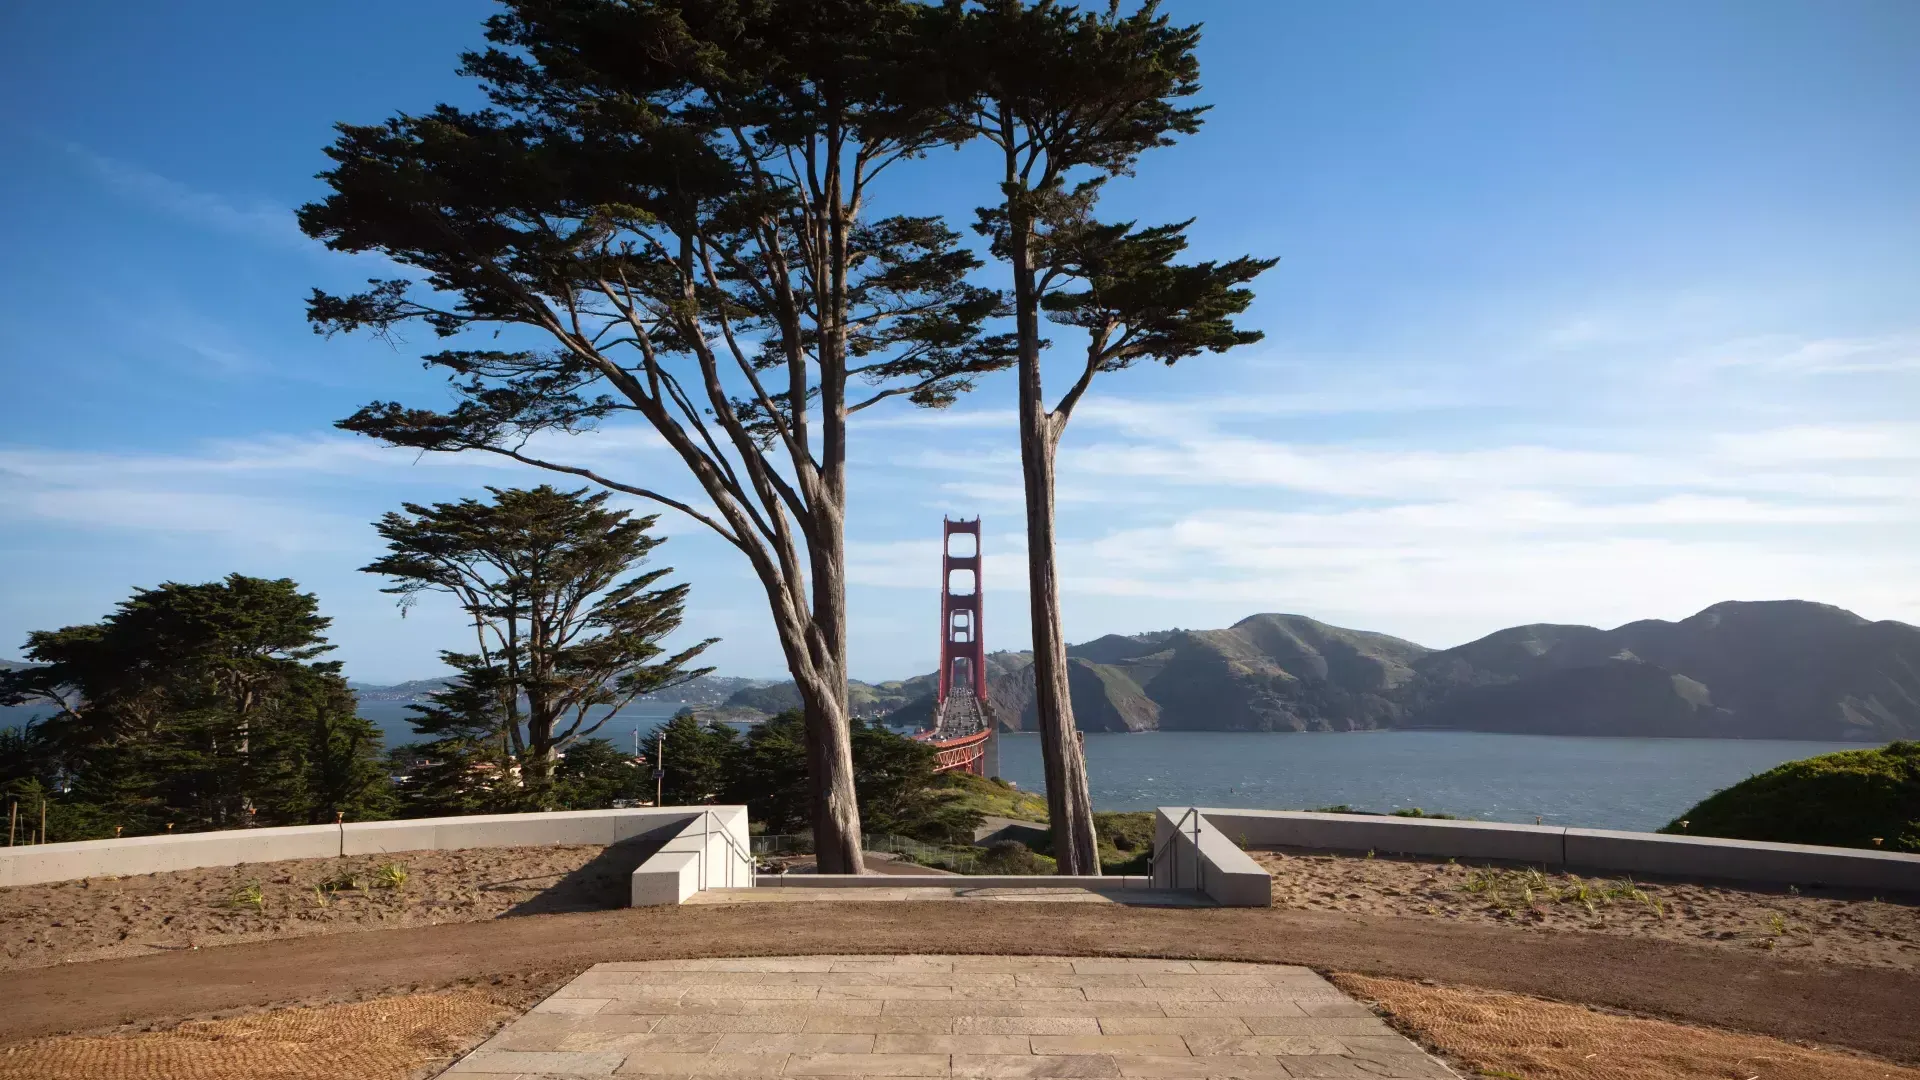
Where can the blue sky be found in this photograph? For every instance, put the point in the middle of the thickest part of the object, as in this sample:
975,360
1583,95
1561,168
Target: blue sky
1586,313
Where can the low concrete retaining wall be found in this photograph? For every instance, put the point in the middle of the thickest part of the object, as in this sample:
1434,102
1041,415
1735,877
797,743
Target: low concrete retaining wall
1190,852
39,863
953,881
1547,845
710,850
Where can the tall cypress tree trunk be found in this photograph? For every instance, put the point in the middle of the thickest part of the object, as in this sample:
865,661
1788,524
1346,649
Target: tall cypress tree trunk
1069,804
836,810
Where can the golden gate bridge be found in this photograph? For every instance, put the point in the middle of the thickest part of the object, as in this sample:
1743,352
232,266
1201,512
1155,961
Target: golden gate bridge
963,720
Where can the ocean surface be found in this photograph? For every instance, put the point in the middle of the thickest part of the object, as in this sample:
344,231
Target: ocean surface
1636,784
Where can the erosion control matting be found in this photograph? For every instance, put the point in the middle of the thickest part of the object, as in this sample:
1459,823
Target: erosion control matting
1869,1009
1510,1035
388,1038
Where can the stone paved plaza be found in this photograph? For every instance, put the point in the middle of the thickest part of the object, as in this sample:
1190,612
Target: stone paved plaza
985,1017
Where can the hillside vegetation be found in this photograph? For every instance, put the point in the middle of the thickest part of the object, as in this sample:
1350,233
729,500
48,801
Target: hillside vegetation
1778,669
1855,798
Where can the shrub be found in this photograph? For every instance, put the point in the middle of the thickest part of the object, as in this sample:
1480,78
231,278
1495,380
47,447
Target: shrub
1847,799
1013,857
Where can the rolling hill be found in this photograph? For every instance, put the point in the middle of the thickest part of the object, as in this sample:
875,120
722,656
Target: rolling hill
1777,669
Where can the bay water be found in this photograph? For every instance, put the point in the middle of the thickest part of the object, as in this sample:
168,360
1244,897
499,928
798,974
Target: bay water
1599,783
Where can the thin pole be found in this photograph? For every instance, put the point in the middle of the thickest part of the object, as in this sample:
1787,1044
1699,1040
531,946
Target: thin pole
43,820
659,768
13,819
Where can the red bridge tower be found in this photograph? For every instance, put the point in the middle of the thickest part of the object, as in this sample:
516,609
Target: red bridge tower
962,716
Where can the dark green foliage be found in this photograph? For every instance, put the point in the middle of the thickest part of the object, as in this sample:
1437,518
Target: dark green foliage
1848,799
565,633
770,774
899,791
200,706
594,773
698,760
670,196
1012,857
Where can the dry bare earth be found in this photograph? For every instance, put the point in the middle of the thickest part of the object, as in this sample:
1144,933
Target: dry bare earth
1487,1033
1493,1034
101,918
1825,928
104,918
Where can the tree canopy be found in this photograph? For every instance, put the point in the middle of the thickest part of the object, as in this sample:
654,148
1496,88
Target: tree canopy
664,205
567,628
199,706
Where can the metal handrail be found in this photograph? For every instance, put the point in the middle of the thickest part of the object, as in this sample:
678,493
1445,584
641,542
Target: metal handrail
705,817
1153,866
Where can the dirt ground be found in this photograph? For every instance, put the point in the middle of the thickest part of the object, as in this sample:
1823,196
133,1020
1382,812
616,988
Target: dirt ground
1864,1008
1484,1033
394,1038
101,918
1825,928
104,918
1492,1034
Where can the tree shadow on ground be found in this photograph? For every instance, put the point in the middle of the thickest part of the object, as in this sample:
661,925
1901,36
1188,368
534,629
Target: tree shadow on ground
603,883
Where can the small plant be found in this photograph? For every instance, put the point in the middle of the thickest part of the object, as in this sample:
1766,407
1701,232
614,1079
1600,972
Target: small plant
1778,923
320,897
390,876
249,895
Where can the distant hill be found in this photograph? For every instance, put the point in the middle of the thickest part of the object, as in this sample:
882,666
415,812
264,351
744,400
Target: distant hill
705,690
1779,669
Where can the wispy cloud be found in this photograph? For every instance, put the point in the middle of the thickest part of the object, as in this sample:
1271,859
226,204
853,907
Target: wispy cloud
257,218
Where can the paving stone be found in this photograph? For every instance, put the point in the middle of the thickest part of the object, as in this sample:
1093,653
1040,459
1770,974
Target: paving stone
1227,1045
519,1061
794,1020
869,1065
1155,993
1109,1044
746,1066
1011,963
640,1042
881,1025
814,1043
1214,979
1028,1025
951,1044
577,1006
973,1018
1130,966
1030,1067
1245,1009
1204,966
1023,1008
1214,1068
1176,1025
1342,1007
1069,978
1317,1025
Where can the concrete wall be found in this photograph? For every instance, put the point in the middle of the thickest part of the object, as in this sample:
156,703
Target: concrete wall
710,850
1190,852
35,864
1577,849
952,881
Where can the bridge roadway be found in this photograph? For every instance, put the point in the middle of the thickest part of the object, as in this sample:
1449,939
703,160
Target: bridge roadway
962,724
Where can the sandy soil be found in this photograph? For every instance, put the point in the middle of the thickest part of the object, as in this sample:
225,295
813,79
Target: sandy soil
1485,1033
1828,928
1865,1008
396,1038
68,921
